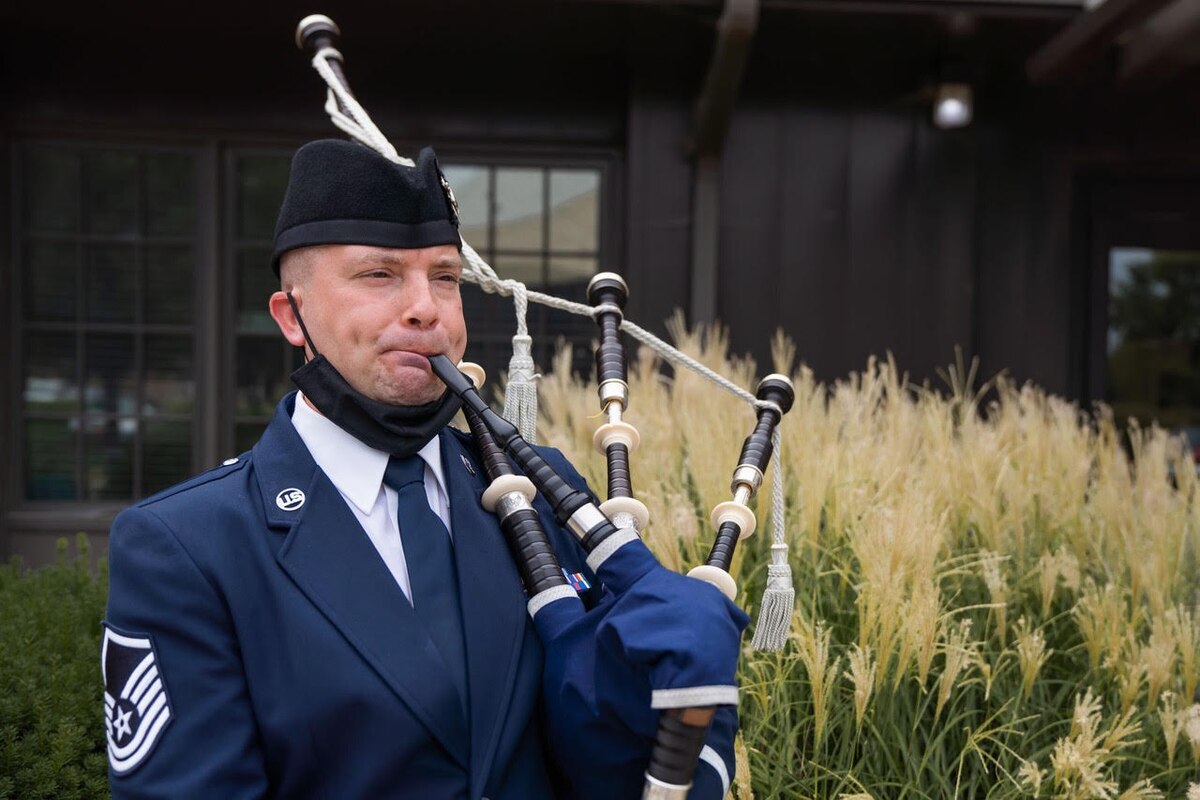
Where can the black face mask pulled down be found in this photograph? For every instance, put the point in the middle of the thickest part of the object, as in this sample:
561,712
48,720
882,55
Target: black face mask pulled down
397,430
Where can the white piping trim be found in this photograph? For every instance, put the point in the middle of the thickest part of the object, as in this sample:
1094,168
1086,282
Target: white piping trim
548,596
612,544
710,757
694,697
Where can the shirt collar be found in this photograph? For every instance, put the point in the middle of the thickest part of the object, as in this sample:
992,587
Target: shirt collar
354,468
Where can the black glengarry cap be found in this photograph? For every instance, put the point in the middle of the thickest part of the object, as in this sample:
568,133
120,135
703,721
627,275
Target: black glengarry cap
340,192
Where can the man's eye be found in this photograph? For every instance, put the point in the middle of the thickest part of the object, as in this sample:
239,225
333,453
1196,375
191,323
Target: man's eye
449,278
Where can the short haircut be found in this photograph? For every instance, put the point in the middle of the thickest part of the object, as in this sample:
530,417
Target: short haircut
295,267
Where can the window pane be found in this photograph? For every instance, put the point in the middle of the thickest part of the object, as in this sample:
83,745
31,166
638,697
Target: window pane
261,379
255,284
170,194
170,385
568,271
110,283
52,189
245,434
51,275
109,444
526,269
167,450
170,291
261,181
470,185
111,189
49,459
574,212
109,384
519,208
50,372
1154,337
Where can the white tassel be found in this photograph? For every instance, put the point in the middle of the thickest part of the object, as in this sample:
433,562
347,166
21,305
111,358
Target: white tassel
779,598
520,396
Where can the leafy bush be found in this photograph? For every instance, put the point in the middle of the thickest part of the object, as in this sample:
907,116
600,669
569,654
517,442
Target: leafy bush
51,694
994,599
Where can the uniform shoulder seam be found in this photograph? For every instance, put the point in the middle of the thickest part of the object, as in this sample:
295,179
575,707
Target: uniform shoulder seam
214,474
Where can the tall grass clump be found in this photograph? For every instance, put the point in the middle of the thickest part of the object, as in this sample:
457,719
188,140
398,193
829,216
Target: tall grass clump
996,592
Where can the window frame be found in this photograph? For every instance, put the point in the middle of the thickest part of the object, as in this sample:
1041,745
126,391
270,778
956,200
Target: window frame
64,517
214,280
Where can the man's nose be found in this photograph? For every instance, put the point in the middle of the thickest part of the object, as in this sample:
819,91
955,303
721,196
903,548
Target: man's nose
419,307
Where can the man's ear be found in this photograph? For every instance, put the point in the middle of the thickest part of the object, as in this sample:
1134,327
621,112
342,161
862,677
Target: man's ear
285,318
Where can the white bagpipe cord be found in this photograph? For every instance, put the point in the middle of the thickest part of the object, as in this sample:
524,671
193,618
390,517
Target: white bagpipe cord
358,124
520,393
520,402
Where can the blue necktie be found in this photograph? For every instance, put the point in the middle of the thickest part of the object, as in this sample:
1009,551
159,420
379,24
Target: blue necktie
432,576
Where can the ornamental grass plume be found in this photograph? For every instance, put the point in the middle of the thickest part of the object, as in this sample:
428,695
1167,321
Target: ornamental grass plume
813,644
1191,726
1081,760
1170,719
997,588
958,651
862,678
1142,790
920,518
1157,656
1187,637
1103,620
1031,654
742,789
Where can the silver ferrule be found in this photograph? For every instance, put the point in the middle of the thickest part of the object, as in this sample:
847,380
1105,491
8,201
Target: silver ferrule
613,391
584,519
746,475
511,503
658,790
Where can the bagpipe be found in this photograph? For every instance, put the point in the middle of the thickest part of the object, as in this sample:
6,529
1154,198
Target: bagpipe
635,686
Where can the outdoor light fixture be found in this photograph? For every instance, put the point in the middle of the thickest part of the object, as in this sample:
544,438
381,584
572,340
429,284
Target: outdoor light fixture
953,105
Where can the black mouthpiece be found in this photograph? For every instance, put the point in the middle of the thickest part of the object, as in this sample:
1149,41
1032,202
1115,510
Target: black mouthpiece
316,31
777,389
607,287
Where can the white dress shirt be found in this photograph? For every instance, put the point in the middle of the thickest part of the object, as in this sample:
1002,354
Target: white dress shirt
357,472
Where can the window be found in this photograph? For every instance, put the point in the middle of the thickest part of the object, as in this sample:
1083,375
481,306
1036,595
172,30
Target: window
263,360
1154,338
109,336
106,254
538,225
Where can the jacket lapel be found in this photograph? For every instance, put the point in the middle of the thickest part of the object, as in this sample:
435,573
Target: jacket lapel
332,561
494,615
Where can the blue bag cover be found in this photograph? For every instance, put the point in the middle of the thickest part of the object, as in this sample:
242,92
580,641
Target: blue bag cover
654,630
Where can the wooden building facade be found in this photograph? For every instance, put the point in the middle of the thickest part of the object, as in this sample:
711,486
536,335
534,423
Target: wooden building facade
771,164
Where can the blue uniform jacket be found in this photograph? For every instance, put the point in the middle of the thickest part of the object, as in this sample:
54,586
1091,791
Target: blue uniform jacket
292,663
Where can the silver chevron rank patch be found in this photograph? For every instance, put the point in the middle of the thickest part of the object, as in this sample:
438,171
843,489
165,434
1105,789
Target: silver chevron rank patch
136,706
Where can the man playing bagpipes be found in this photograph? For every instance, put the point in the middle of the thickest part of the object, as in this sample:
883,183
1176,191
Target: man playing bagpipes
336,614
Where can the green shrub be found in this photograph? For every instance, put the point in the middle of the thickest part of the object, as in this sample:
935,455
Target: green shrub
51,693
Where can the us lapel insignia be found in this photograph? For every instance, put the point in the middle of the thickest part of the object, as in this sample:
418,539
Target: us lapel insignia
136,706
290,499
467,463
